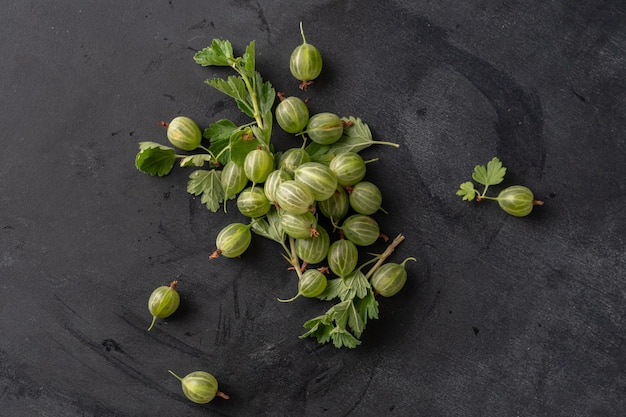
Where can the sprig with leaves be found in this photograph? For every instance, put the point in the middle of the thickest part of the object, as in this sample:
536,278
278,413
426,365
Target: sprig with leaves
516,200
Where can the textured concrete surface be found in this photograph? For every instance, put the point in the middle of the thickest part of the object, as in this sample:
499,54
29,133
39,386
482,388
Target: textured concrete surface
501,316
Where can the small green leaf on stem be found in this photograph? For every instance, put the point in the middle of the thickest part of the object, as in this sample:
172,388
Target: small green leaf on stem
220,54
208,185
492,174
467,191
155,159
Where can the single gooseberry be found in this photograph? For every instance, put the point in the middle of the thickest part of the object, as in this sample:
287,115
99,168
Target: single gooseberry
299,226
318,178
360,229
294,197
336,207
305,62
200,387
292,114
349,167
313,250
258,164
233,179
292,158
252,202
365,198
163,302
343,256
312,284
517,200
233,240
183,133
389,279
276,177
324,128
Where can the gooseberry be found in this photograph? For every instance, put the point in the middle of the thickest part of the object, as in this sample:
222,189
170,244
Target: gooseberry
183,133
305,62
233,179
163,302
312,284
517,200
324,128
252,202
299,226
349,168
292,114
294,197
313,250
258,164
292,158
233,240
360,229
336,207
200,387
389,278
318,178
343,256
276,177
365,198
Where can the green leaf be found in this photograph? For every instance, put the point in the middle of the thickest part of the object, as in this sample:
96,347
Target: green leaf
265,93
356,137
355,321
196,160
219,134
319,153
241,143
208,185
491,175
220,53
467,191
341,337
234,87
270,226
353,285
155,159
367,306
332,290
320,328
248,60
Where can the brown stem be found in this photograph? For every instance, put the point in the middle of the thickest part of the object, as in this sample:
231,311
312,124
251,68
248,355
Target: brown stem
304,85
222,395
281,96
173,284
215,254
537,203
385,255
163,124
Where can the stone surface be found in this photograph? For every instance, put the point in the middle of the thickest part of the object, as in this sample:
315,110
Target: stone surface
501,316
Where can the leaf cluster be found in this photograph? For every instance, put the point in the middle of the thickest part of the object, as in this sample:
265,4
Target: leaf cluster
491,174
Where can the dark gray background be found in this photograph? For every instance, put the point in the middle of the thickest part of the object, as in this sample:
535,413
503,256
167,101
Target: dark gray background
501,316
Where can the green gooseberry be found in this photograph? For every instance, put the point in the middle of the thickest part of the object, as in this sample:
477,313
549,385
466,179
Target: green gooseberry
343,256
389,278
200,387
252,202
312,284
318,178
305,62
292,114
360,229
163,302
349,168
292,158
324,128
299,226
336,207
233,240
365,198
517,200
183,133
233,179
294,197
276,177
313,250
258,164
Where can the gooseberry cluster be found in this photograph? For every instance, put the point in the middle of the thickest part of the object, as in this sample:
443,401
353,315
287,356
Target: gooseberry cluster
312,198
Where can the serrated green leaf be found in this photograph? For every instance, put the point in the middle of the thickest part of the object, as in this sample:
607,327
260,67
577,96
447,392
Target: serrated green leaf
467,191
219,134
208,185
356,137
234,87
248,60
355,284
355,321
155,159
270,226
196,160
219,53
492,174
241,143
318,328
342,338
265,93
367,306
333,287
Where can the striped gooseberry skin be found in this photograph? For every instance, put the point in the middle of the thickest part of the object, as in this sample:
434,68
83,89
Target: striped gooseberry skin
200,387
292,158
163,302
292,114
252,202
365,198
184,133
336,207
360,229
294,197
318,178
276,177
516,200
324,128
343,256
313,250
389,279
233,179
312,283
349,168
299,226
257,165
305,62
233,240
